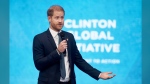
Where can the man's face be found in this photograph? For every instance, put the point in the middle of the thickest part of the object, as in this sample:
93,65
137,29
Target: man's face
57,20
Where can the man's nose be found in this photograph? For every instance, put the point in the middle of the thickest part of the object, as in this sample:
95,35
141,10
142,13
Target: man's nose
60,19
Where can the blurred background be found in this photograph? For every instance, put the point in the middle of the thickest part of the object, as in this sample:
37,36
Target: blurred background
118,24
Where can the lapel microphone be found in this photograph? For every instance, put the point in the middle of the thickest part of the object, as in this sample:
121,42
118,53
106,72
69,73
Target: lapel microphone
62,35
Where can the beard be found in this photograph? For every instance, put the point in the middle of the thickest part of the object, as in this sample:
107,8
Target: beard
57,27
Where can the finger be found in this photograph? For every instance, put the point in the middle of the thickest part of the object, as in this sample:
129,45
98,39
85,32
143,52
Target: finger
65,46
111,76
64,41
109,72
114,75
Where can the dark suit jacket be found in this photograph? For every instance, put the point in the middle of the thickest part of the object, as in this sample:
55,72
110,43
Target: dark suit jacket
46,59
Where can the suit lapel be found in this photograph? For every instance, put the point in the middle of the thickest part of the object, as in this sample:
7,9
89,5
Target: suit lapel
69,52
51,39
52,42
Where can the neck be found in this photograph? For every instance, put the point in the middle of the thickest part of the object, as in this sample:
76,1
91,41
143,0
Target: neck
54,29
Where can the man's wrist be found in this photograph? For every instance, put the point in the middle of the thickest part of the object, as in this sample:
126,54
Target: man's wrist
58,51
99,76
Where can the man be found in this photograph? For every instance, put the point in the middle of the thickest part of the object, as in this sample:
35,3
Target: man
55,53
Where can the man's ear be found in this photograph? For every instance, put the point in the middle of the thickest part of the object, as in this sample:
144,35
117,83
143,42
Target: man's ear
49,18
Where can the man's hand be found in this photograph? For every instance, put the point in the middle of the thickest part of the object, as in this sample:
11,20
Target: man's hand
106,75
62,46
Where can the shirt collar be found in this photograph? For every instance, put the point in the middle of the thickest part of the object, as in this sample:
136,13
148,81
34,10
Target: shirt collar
54,33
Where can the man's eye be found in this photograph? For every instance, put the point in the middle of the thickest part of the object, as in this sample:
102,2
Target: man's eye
56,17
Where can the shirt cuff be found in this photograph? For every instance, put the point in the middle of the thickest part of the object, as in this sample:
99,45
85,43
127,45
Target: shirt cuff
58,51
99,75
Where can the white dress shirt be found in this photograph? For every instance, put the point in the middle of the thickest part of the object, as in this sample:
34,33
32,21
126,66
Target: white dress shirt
56,38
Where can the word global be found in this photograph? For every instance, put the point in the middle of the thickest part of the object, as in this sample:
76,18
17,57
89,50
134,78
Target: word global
92,35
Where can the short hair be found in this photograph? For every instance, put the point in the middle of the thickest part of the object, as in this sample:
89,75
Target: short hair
53,8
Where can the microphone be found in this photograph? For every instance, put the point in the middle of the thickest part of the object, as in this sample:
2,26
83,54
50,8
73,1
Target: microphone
62,35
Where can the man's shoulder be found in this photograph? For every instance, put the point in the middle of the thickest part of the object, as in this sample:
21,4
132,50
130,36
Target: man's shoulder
41,34
67,33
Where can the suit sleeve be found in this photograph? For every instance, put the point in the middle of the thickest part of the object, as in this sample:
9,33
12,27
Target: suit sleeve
82,64
40,60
